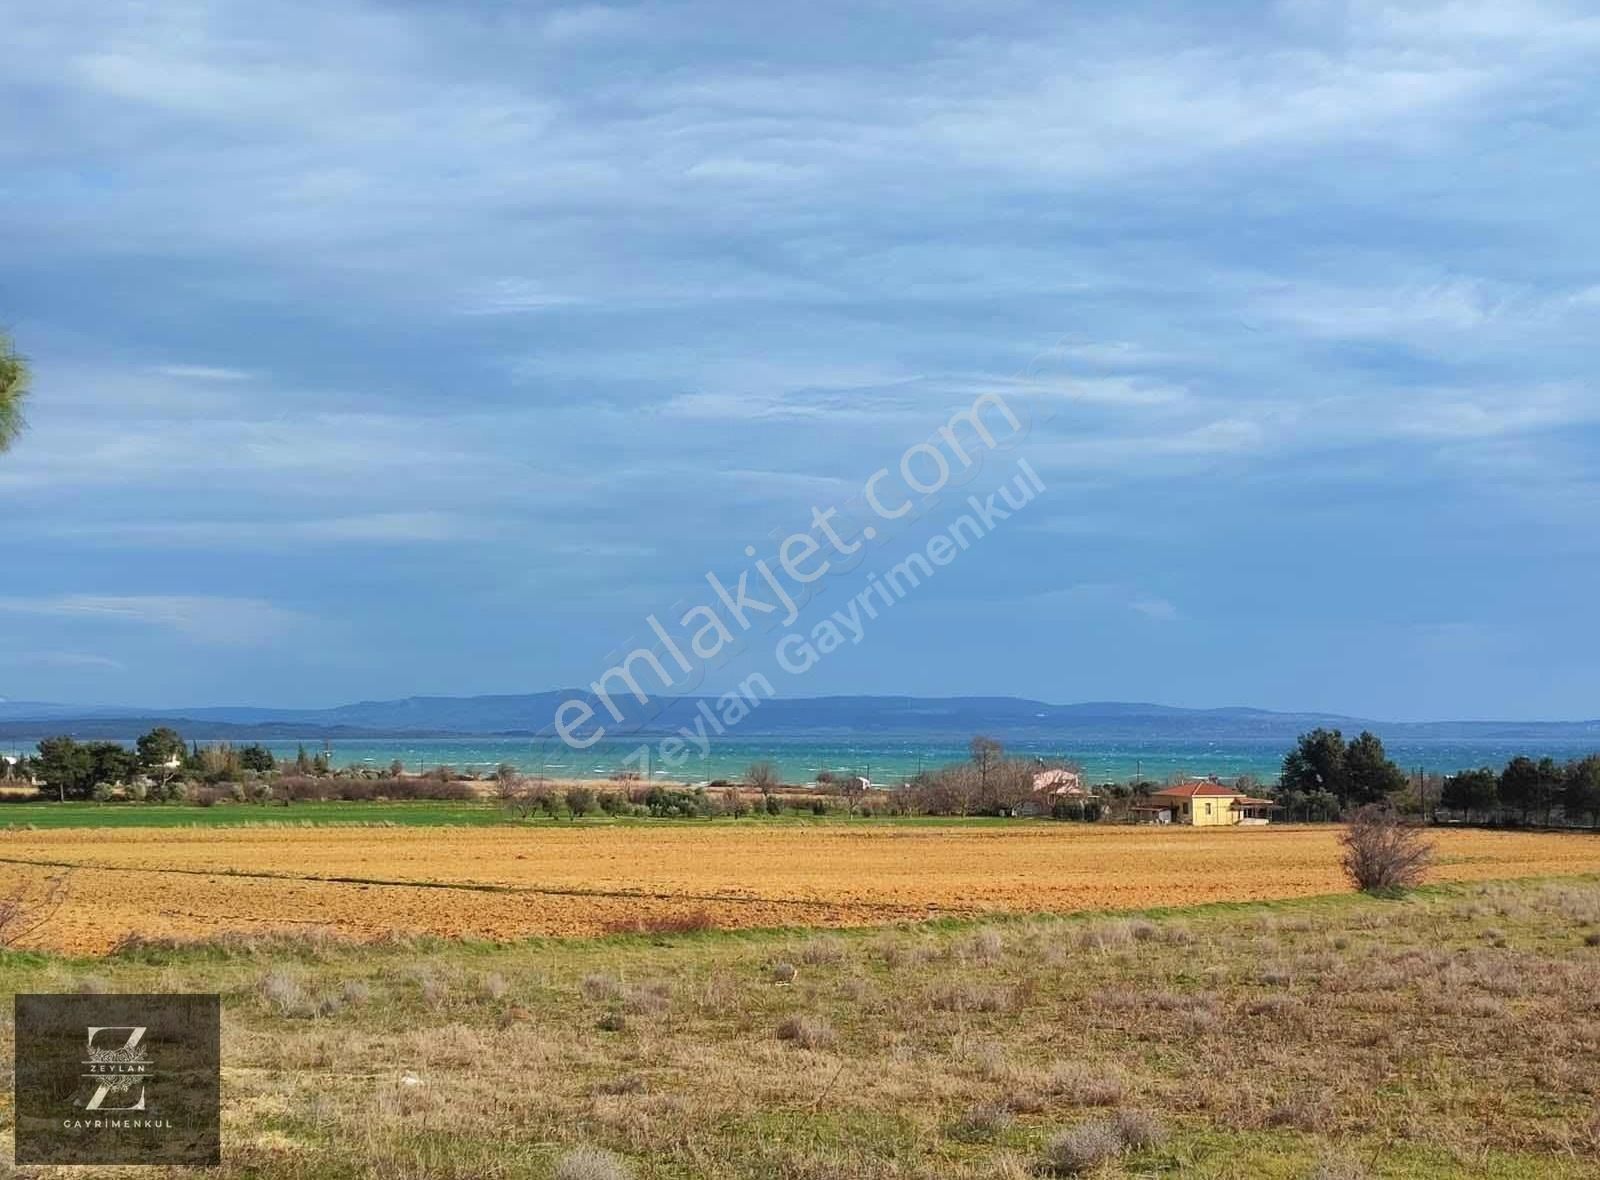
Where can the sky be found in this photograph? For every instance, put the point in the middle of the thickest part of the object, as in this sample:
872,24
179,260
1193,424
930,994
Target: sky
384,349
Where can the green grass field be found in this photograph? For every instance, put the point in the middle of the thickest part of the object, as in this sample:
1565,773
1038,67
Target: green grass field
424,812
177,815
1451,1033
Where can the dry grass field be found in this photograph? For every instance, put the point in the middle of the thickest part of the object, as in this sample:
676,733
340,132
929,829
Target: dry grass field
1452,1033
511,882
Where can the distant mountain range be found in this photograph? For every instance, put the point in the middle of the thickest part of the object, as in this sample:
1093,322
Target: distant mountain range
530,714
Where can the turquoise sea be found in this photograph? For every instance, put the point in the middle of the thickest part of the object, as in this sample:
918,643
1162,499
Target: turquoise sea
888,760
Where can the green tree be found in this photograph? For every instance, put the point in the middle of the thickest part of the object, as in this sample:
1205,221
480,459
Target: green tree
111,763
65,766
13,390
1472,792
1580,793
1315,764
258,758
160,753
1529,786
1369,776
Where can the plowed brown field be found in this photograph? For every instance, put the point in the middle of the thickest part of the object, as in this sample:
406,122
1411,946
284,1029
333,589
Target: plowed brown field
509,882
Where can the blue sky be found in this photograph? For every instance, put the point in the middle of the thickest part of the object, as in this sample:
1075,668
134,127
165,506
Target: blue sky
402,348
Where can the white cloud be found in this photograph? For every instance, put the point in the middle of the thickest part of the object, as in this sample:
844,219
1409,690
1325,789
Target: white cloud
223,621
204,373
381,528
1152,607
64,659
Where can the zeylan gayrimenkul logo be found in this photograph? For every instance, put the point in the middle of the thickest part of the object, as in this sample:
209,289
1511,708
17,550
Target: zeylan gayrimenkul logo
118,1070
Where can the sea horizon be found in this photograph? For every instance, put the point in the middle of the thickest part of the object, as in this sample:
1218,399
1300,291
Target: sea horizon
887,761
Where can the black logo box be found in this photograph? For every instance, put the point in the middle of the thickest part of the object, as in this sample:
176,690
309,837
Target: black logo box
118,1079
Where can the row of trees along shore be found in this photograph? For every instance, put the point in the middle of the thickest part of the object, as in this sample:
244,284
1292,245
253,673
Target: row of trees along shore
1324,777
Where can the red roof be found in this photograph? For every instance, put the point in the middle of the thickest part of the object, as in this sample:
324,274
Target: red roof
1193,790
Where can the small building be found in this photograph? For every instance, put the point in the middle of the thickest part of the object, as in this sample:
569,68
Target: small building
1204,804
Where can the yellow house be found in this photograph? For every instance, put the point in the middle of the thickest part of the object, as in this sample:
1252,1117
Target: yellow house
1203,805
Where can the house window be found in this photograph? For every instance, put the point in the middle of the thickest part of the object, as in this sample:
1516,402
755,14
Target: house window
1208,809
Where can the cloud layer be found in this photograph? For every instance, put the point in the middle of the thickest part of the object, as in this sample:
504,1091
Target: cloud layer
426,349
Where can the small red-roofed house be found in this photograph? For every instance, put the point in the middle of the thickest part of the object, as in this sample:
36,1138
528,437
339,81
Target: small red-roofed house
1203,804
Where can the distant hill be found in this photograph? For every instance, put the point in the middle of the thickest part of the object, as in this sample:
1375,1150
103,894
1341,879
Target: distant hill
881,716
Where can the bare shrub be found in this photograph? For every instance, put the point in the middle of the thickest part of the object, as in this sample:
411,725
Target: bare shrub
985,946
1305,1111
1142,930
628,1083
1139,1129
1104,936
601,987
963,996
822,951
1084,1085
1082,1148
590,1163
282,992
983,1122
808,1032
355,991
1275,1006
1277,975
1383,853
763,777
985,1058
651,997
435,991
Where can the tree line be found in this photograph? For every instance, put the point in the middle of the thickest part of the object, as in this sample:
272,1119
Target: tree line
157,766
1526,790
1325,777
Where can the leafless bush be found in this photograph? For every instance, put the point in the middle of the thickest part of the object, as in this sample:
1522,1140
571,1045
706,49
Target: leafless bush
823,951
1082,1148
1383,853
961,996
982,1123
1139,1129
763,777
282,992
1084,1085
808,1032
601,987
1339,1167
590,1163
985,946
